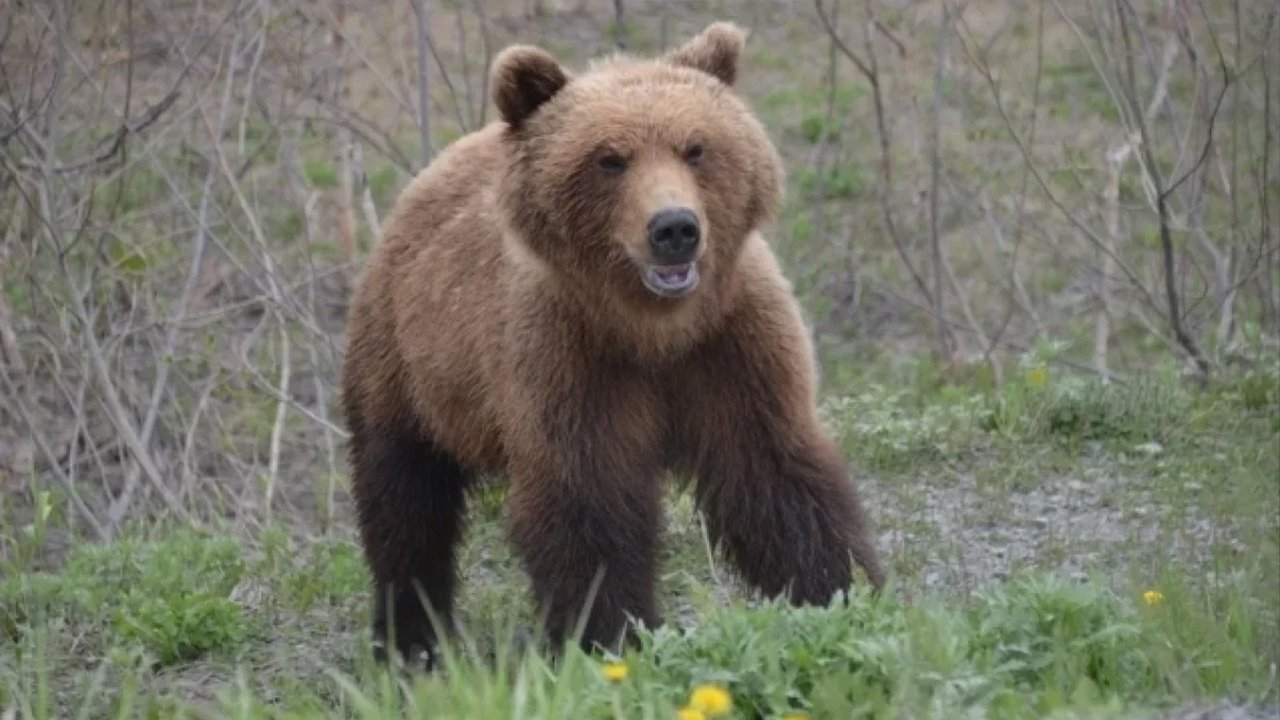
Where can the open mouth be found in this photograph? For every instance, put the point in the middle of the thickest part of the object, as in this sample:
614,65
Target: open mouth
671,280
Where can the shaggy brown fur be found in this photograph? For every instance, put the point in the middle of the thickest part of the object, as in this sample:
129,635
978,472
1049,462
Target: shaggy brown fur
506,324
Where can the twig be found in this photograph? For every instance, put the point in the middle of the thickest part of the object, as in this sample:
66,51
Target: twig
945,353
821,151
485,47
1180,333
1266,230
619,26
465,60
378,74
96,359
870,71
115,143
889,293
1017,289
448,84
13,406
10,352
888,34
119,509
664,25
343,143
1116,158
966,309
424,83
1043,182
366,195
277,427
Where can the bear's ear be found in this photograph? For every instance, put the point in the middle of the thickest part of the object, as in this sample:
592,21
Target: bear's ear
714,51
523,78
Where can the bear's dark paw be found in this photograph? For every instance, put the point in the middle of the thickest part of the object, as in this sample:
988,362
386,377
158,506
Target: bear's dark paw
410,657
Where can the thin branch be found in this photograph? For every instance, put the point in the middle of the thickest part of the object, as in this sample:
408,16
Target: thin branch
164,360
485,47
424,82
619,26
1176,324
935,170
277,427
867,71
366,61
1043,182
870,71
448,83
1116,158
14,407
954,324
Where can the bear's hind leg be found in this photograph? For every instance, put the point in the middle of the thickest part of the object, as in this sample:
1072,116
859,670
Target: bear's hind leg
410,499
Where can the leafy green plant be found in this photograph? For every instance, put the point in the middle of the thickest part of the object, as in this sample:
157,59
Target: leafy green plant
884,428
171,598
26,543
320,173
814,126
840,182
1140,410
1051,634
331,571
180,626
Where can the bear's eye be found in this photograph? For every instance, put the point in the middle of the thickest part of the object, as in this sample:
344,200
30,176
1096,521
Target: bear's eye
693,153
612,163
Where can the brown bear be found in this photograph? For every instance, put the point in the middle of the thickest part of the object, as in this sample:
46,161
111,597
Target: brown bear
578,296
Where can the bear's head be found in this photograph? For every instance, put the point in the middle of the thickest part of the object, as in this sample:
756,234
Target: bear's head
641,178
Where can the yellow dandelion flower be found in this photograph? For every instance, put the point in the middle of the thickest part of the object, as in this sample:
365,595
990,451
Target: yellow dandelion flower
690,714
614,671
1153,597
711,700
1037,377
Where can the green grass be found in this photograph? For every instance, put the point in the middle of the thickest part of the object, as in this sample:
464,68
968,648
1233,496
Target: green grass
1028,649
841,182
167,599
168,623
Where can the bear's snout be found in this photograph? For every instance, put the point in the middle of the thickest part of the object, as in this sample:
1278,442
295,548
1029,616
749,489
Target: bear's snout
674,234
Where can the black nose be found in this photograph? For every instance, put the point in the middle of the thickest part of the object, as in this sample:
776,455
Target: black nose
674,235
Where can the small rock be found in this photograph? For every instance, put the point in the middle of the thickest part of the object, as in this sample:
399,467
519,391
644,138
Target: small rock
1191,486
1076,486
1152,448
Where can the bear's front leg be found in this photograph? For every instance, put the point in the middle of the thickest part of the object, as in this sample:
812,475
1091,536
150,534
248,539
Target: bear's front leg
585,502
774,488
